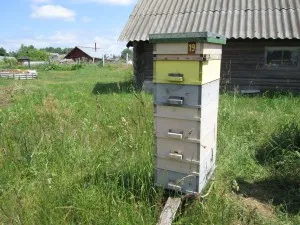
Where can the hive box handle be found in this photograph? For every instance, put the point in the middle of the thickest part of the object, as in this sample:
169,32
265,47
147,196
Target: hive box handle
176,156
175,77
175,135
174,100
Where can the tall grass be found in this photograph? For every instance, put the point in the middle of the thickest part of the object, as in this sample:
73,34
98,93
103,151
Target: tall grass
77,148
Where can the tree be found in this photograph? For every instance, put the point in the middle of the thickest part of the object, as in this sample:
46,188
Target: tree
66,50
33,53
125,51
13,54
3,52
57,50
10,61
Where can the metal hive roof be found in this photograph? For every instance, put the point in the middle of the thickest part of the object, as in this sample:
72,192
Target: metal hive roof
232,18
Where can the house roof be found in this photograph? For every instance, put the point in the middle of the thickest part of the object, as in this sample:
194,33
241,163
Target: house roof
262,19
89,51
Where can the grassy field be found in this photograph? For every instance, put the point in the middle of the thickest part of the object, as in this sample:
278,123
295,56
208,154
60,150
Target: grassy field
76,147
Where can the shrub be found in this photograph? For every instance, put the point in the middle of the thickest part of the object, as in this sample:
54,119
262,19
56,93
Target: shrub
76,66
63,67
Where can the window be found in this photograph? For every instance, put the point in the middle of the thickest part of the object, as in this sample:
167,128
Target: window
282,57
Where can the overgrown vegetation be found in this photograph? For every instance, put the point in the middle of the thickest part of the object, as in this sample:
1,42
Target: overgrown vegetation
62,67
33,53
282,153
11,63
77,148
8,63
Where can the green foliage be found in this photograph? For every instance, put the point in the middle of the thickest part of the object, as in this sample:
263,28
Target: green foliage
3,52
33,53
56,67
125,51
76,147
10,62
13,54
57,50
63,67
76,66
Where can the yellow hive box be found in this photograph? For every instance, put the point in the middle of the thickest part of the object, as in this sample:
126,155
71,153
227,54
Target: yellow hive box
186,72
187,58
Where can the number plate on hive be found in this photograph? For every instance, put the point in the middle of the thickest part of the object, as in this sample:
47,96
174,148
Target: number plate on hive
192,48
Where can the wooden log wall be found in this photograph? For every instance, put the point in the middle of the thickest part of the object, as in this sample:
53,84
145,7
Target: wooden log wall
243,66
76,54
142,62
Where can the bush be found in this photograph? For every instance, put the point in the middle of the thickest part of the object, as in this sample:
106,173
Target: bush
51,67
63,67
76,66
8,63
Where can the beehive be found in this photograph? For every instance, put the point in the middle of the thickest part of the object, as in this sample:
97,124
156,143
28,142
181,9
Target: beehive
186,99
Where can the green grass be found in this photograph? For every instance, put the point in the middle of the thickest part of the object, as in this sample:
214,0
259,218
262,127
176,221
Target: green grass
77,148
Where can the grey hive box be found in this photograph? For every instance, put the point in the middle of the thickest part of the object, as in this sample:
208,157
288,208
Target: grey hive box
186,100
186,95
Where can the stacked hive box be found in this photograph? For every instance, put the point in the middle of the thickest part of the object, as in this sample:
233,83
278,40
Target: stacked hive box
187,78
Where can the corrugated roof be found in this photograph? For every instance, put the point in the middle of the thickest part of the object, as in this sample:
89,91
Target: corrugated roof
91,52
232,18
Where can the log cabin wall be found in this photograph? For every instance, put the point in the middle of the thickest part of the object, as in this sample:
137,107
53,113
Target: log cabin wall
243,65
142,62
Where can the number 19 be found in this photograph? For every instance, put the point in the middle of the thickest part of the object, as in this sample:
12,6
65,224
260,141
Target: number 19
192,48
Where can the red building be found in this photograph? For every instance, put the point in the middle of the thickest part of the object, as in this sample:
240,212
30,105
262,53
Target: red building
86,54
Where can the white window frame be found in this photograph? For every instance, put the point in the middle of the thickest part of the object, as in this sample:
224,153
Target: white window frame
279,48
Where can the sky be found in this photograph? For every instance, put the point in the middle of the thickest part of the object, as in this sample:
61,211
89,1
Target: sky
64,23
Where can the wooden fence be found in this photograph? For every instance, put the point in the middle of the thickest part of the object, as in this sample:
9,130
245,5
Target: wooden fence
19,75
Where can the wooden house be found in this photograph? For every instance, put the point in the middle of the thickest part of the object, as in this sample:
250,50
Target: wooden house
263,46
85,54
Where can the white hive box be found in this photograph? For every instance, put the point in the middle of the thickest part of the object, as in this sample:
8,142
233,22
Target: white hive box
173,123
190,181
